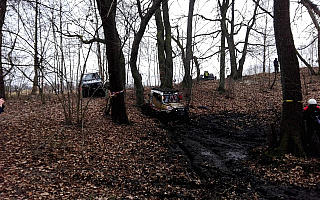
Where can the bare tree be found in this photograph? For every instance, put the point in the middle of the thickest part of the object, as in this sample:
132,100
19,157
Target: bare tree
246,40
236,71
168,47
135,48
187,60
116,64
160,47
230,40
36,57
313,11
164,46
291,121
223,12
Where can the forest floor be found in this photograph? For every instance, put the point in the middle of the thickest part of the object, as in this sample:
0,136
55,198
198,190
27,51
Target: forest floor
215,156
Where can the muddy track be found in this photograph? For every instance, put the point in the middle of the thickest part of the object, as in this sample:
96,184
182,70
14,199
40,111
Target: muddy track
215,147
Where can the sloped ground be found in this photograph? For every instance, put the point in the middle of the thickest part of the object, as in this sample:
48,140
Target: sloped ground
41,158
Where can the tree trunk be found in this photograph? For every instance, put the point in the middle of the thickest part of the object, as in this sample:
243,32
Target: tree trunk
100,64
265,46
168,46
310,68
3,7
99,54
246,42
135,49
160,45
231,45
223,10
291,121
319,51
187,60
222,81
116,64
197,64
36,59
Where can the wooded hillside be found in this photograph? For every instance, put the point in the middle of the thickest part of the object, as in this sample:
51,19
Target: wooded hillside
42,158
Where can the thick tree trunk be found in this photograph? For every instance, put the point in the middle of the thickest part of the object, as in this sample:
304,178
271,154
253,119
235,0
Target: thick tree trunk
233,58
3,7
291,122
160,46
168,46
116,64
187,60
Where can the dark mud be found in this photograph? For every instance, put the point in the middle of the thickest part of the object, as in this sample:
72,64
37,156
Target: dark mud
215,148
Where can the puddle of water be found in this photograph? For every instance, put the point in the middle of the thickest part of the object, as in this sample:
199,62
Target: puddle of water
213,159
206,153
236,155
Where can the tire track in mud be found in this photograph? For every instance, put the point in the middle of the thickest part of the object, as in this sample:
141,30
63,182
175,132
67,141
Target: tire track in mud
215,147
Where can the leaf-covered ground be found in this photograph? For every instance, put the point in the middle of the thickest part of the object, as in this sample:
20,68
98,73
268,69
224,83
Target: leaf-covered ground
42,158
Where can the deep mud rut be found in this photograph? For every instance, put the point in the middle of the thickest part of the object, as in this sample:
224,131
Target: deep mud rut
215,147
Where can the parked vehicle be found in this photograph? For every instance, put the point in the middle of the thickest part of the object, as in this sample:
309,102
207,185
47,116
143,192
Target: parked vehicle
165,104
92,84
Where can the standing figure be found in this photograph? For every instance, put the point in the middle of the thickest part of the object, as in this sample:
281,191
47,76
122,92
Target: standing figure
276,65
311,117
1,105
206,75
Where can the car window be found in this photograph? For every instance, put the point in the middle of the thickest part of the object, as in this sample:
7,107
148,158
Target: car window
167,98
170,98
89,77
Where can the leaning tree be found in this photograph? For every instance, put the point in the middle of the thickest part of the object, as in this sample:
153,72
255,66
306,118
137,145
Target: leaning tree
144,20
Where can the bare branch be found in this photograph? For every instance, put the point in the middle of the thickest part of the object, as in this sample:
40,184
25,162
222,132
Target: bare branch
84,41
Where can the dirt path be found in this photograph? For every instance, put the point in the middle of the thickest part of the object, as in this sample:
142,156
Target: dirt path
215,147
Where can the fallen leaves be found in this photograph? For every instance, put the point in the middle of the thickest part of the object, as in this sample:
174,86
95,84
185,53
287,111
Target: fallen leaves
41,158
291,171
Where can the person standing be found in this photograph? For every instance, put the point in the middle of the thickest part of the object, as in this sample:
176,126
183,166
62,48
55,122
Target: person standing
276,65
206,75
311,117
1,105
